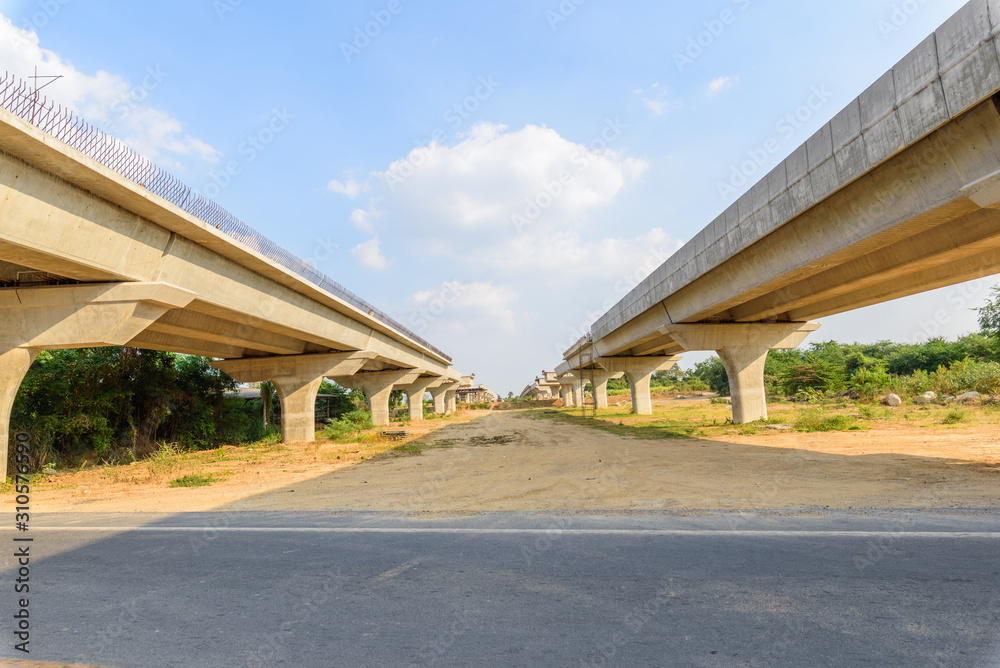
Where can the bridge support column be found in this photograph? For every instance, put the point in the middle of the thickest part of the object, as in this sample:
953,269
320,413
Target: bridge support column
566,390
297,379
451,400
578,394
638,370
14,366
297,395
377,386
440,395
743,349
415,396
599,382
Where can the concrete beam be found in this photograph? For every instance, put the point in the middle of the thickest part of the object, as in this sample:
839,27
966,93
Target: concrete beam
71,316
638,370
192,324
743,349
377,386
83,316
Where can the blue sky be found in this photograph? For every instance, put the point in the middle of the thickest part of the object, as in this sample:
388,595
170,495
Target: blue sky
491,174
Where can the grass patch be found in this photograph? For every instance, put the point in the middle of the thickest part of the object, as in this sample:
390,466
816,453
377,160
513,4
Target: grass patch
817,421
194,480
954,416
164,460
495,440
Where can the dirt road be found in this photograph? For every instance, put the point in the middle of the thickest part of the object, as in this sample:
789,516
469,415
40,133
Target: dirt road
509,461
517,461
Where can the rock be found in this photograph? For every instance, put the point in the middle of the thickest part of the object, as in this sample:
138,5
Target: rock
926,398
892,400
681,397
969,398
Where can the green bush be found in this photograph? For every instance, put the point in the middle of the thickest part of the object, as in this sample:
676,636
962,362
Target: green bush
348,424
967,376
814,421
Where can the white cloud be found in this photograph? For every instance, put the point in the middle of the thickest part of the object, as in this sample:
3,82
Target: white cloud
721,84
109,101
457,307
658,100
493,174
350,188
369,254
362,220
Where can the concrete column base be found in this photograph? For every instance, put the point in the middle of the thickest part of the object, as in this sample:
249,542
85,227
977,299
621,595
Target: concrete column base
377,386
566,392
743,349
14,366
638,370
415,396
440,395
298,407
578,395
599,382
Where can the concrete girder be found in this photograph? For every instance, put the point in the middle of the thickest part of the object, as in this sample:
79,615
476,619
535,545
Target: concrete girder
973,234
743,349
967,269
204,327
377,386
638,370
297,379
83,316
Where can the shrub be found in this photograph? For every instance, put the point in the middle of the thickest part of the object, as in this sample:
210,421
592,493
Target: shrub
871,382
349,423
813,421
954,416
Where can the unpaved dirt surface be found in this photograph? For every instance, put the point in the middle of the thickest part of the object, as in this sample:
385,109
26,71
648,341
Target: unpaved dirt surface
512,461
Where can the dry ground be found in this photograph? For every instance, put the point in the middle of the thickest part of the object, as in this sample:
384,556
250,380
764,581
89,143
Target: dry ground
549,460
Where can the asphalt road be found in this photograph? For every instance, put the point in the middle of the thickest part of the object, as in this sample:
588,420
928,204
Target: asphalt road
909,588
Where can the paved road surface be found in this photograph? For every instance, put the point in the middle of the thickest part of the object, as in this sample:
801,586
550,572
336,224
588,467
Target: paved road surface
910,589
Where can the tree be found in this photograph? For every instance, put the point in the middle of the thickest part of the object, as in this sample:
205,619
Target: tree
989,315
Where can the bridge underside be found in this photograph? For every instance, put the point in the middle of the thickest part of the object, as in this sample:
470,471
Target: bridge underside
926,219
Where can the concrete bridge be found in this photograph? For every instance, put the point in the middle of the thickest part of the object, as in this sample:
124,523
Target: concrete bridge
91,258
896,195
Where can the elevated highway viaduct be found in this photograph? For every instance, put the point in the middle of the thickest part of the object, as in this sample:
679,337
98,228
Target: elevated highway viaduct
896,195
89,257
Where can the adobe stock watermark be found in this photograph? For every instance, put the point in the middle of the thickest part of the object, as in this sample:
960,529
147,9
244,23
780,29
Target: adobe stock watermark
563,12
786,128
714,28
900,15
454,117
654,258
436,307
580,161
365,35
131,101
224,7
249,150
47,10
